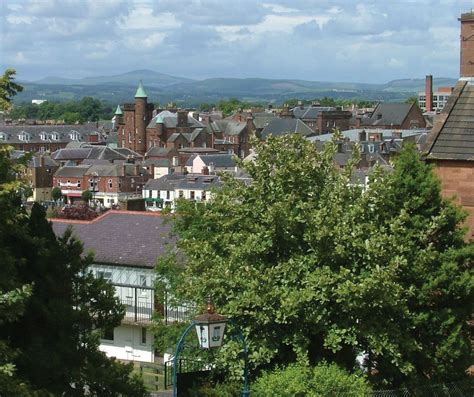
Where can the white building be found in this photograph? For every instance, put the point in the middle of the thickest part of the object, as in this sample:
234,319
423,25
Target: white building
211,163
163,192
127,246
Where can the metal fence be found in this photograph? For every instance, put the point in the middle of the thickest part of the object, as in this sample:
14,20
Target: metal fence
457,389
137,312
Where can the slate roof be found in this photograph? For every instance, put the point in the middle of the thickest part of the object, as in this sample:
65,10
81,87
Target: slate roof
219,160
279,127
163,162
88,152
156,151
198,182
170,120
166,182
310,112
124,238
74,171
35,162
62,132
389,114
453,137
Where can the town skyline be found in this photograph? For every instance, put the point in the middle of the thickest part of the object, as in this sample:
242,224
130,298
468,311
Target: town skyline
307,40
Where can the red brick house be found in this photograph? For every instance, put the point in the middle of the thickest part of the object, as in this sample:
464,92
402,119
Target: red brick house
450,145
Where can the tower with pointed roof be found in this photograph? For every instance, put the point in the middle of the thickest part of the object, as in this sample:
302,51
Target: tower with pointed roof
141,120
131,121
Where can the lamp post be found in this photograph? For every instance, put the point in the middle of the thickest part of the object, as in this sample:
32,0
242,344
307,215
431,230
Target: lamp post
210,328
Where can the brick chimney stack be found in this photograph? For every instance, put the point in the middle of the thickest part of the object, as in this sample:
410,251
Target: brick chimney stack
429,93
467,44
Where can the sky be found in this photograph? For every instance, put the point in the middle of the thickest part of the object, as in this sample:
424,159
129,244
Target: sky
372,41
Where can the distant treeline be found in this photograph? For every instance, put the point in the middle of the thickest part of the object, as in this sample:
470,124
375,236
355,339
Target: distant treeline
87,109
90,109
233,104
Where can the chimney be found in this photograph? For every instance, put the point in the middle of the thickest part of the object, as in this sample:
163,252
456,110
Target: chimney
182,118
211,168
467,44
300,104
358,121
429,93
205,170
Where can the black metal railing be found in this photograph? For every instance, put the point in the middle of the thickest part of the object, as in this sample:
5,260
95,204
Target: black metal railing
178,314
136,311
184,365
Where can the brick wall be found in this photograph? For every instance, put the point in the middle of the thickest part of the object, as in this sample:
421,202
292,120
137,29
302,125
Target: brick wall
457,179
467,45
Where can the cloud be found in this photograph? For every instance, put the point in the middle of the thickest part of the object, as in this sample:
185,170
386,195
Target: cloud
330,40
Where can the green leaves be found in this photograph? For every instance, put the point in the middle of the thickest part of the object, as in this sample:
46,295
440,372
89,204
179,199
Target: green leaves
314,267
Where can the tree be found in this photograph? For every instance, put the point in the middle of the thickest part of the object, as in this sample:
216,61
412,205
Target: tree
87,196
13,293
56,193
8,88
412,99
52,310
314,267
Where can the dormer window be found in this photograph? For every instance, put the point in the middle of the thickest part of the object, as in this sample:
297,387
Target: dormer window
43,136
74,135
3,136
55,136
24,136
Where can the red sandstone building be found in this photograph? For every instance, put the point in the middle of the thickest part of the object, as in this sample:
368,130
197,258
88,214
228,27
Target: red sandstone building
450,146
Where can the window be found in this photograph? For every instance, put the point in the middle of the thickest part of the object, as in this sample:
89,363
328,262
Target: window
371,148
59,182
74,136
203,195
91,184
191,195
150,193
143,336
78,183
103,274
108,334
110,183
181,194
3,136
68,181
120,184
55,136
142,280
167,195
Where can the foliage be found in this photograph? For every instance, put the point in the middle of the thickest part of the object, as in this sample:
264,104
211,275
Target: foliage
326,101
71,112
56,193
52,309
232,105
87,196
13,293
314,267
8,88
324,380
412,99
213,389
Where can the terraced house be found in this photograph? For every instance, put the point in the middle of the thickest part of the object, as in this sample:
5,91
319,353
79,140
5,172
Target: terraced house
126,247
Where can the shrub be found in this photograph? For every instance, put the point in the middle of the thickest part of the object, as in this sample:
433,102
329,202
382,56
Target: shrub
297,380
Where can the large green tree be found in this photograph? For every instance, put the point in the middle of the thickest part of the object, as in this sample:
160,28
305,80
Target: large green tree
314,266
8,88
55,309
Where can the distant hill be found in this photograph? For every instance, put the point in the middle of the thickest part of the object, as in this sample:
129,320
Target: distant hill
152,79
165,88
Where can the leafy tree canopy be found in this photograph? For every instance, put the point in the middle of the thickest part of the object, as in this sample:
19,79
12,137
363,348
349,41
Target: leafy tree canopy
8,88
86,109
314,266
52,309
